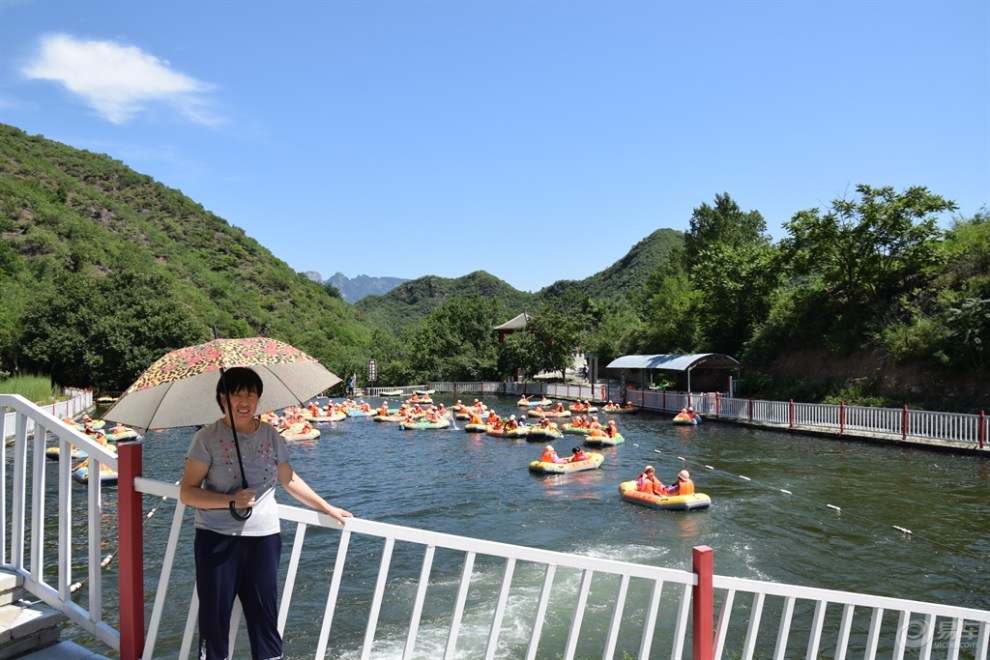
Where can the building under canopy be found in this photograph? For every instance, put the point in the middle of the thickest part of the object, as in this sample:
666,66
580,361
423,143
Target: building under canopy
713,371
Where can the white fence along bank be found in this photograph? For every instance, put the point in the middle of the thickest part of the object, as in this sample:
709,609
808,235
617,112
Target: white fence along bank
946,430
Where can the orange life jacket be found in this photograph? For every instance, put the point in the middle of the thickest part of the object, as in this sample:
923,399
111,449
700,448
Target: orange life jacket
685,487
548,456
650,484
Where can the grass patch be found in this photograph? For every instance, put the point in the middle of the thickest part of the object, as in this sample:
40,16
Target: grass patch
36,389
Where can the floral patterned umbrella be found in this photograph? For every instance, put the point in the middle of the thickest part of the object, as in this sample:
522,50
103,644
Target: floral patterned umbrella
180,388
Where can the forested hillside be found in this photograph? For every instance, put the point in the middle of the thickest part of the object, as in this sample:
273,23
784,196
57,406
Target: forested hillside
870,300
103,269
412,301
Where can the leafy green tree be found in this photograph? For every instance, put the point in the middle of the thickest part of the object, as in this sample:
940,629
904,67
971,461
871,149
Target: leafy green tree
869,249
456,341
730,264
665,304
863,259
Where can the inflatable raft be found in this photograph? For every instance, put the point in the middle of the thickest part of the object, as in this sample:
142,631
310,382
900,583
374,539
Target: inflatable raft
52,453
339,416
672,503
575,430
618,410
520,432
123,435
537,434
424,425
476,428
592,462
395,417
686,420
108,475
603,440
291,435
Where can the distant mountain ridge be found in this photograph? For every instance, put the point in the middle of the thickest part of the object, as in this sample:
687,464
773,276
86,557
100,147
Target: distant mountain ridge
353,289
412,300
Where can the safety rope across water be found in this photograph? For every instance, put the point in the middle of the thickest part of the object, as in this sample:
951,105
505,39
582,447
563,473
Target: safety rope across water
904,531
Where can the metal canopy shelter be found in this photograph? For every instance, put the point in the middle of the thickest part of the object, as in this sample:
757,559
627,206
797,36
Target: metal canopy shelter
674,362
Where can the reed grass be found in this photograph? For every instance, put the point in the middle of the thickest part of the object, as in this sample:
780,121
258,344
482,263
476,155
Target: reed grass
36,389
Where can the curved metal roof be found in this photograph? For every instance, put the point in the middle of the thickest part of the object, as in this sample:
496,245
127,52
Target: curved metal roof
675,362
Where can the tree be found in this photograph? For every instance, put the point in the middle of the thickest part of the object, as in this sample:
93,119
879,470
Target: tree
665,304
874,248
730,264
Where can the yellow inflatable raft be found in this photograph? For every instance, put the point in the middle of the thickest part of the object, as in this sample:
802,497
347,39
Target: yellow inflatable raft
672,503
592,462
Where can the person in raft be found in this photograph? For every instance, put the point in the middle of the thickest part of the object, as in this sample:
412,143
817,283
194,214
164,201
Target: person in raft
683,485
550,455
648,482
578,455
234,557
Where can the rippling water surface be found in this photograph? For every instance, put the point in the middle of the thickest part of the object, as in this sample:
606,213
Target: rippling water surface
475,485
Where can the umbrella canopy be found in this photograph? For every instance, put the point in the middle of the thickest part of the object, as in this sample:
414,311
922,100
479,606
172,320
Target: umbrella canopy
180,388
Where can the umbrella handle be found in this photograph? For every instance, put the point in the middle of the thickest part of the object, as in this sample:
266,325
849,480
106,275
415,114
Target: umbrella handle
238,514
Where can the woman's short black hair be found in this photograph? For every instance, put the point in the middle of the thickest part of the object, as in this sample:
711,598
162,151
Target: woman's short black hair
239,379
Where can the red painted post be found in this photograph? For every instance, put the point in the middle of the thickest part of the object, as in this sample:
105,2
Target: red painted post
603,394
983,428
130,518
665,398
790,414
842,417
703,603
751,409
904,423
718,406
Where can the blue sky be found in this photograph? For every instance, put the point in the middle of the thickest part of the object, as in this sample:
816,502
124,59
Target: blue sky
537,141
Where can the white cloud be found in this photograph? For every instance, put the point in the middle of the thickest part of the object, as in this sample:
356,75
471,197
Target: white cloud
119,81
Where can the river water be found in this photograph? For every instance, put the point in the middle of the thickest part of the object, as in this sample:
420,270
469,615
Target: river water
479,486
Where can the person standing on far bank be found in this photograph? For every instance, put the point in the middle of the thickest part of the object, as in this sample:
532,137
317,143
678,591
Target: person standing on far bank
236,557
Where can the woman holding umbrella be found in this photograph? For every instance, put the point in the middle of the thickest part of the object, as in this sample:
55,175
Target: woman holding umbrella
238,555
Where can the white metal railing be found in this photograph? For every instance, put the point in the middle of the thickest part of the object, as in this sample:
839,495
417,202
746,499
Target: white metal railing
653,608
38,522
812,622
418,551
965,430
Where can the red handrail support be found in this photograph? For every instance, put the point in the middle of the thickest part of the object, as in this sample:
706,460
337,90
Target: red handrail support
131,544
703,603
982,435
842,417
904,423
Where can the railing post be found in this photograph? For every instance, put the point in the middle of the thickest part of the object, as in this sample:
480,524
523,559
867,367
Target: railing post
842,417
718,407
790,413
983,429
130,519
702,603
750,410
904,423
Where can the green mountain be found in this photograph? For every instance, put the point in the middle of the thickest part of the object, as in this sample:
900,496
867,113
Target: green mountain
411,301
625,274
104,269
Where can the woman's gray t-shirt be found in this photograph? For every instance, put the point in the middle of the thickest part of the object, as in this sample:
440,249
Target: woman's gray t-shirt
261,452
